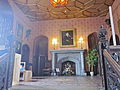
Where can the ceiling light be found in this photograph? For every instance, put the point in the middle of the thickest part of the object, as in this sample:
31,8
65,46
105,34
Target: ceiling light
58,3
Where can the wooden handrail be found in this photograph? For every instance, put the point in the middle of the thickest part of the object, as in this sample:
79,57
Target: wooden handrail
115,47
112,62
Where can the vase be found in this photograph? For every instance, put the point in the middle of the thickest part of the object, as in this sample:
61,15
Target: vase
91,73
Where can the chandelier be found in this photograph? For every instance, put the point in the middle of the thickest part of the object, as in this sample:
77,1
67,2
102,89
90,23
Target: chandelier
58,3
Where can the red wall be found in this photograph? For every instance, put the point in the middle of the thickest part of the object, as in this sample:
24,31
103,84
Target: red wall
116,15
52,28
20,18
83,26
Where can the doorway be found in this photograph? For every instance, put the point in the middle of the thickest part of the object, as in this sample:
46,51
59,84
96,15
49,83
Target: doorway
93,44
117,40
25,55
40,57
93,40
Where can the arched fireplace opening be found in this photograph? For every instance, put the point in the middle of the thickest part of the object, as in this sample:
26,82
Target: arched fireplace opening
68,68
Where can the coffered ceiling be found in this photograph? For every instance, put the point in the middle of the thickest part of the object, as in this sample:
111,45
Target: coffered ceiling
37,10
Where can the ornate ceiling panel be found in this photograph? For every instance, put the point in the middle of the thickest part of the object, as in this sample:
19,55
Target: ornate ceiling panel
37,10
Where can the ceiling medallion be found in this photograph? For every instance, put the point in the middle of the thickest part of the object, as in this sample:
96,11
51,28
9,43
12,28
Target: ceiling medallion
58,3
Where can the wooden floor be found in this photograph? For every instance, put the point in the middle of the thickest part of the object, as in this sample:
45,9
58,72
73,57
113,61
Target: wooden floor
61,83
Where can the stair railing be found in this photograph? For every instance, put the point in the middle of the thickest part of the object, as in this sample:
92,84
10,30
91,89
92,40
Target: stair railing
109,62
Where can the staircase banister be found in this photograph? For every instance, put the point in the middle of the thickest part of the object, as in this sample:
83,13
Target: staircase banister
112,62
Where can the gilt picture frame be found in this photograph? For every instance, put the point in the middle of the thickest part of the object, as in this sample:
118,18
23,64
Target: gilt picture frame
19,31
68,38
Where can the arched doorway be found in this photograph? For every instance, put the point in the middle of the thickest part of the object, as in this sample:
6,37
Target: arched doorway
25,55
117,40
40,55
92,40
93,44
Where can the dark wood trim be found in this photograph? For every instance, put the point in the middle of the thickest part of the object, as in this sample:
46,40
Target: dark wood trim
115,66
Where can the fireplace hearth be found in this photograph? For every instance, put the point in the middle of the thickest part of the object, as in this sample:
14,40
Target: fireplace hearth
68,68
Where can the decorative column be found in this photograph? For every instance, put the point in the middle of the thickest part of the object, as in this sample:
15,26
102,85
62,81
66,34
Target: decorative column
103,43
82,63
53,64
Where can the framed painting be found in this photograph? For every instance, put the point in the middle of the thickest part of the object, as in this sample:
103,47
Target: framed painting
19,31
68,38
18,47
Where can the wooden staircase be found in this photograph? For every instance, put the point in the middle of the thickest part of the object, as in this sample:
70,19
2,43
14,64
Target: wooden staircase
109,62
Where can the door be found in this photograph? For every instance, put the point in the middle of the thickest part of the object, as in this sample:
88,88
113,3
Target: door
93,41
41,65
93,44
40,57
25,55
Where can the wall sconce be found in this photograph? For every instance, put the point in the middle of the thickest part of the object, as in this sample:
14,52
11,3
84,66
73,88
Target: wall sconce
54,42
81,42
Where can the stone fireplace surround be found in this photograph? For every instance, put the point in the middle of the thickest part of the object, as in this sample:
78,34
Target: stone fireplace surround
76,56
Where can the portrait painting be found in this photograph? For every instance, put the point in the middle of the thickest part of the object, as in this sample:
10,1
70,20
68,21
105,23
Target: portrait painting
19,31
18,47
68,38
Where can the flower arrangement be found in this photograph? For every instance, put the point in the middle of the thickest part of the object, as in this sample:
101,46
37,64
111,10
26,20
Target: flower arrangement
68,70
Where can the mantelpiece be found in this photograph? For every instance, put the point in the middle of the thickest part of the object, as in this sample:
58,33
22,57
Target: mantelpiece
76,56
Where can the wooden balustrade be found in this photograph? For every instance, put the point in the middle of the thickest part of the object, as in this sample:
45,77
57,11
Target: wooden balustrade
115,66
109,62
115,53
112,69
3,71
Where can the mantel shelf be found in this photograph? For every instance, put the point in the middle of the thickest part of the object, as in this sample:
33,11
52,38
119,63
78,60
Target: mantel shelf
67,51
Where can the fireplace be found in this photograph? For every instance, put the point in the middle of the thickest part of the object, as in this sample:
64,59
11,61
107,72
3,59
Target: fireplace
68,68
69,62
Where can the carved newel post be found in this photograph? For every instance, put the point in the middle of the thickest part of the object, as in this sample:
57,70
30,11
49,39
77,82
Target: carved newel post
103,44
